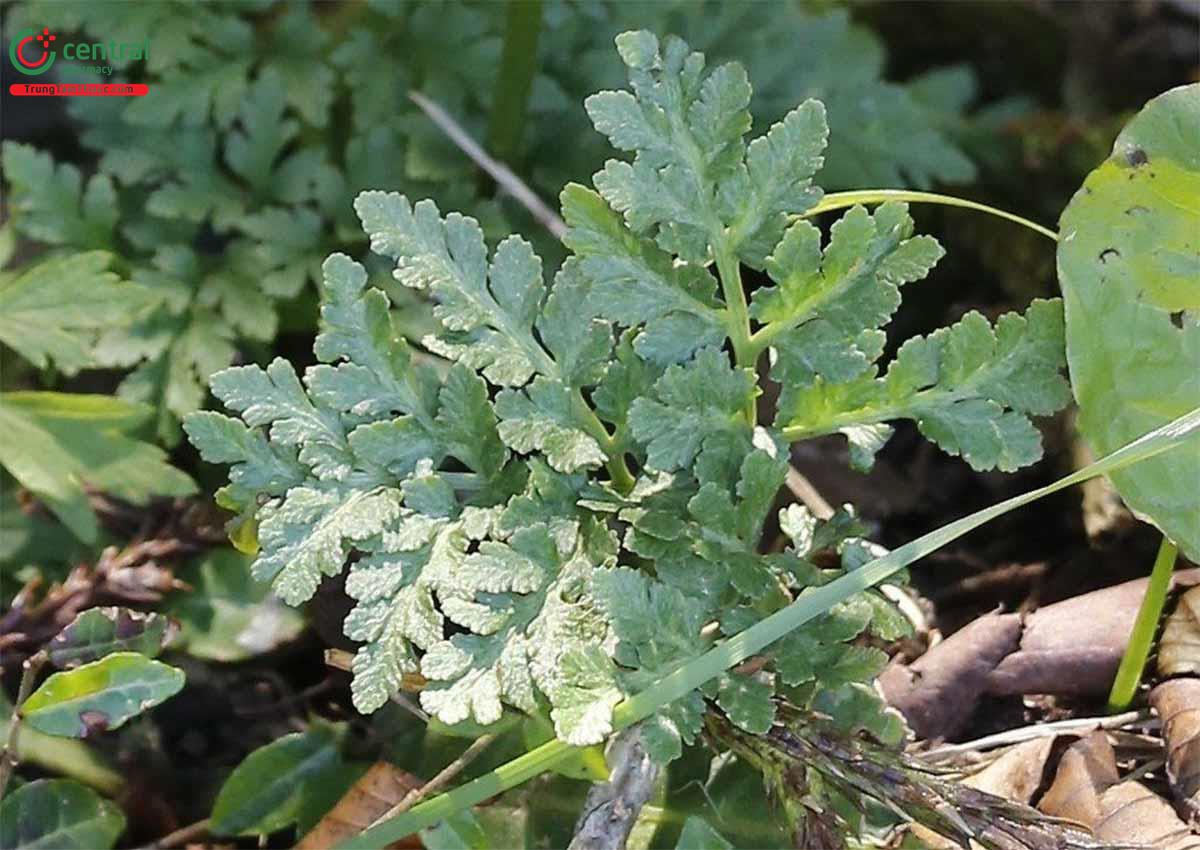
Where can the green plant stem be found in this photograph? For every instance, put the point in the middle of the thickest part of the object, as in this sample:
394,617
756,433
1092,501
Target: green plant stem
1144,628
874,415
10,757
622,478
737,315
518,65
759,636
618,470
841,200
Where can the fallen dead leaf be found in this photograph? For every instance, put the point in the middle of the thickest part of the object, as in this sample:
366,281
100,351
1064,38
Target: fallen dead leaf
1087,790
1075,646
1134,813
1016,775
1179,647
1103,511
1178,705
380,788
1086,770
1072,647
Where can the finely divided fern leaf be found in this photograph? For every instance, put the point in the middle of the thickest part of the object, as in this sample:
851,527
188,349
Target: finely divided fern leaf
971,389
572,504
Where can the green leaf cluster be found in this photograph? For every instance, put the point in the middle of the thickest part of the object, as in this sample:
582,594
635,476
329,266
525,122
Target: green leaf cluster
565,492
221,194
58,444
57,314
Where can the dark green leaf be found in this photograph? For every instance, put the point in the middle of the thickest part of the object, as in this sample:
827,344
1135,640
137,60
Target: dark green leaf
264,793
58,814
99,631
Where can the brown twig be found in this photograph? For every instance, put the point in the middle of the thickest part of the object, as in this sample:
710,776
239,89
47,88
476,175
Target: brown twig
1074,725
498,171
443,778
340,659
180,836
808,495
137,574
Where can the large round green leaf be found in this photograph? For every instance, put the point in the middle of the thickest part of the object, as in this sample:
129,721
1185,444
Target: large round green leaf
58,814
1129,265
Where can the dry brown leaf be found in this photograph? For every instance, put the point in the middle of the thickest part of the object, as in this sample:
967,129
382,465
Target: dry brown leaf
1087,769
1179,648
1015,775
1178,705
1073,646
1132,813
1087,790
380,788
1104,513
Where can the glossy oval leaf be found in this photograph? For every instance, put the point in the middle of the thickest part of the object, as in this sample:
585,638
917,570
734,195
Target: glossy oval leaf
98,632
265,792
58,814
101,695
1129,266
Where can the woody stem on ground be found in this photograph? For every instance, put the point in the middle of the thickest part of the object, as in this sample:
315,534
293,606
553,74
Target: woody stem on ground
10,757
613,806
1144,628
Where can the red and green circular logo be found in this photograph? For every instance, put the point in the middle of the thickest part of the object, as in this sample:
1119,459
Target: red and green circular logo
30,51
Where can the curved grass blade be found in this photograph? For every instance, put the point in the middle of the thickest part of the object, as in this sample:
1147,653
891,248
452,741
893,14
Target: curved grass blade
841,200
760,635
